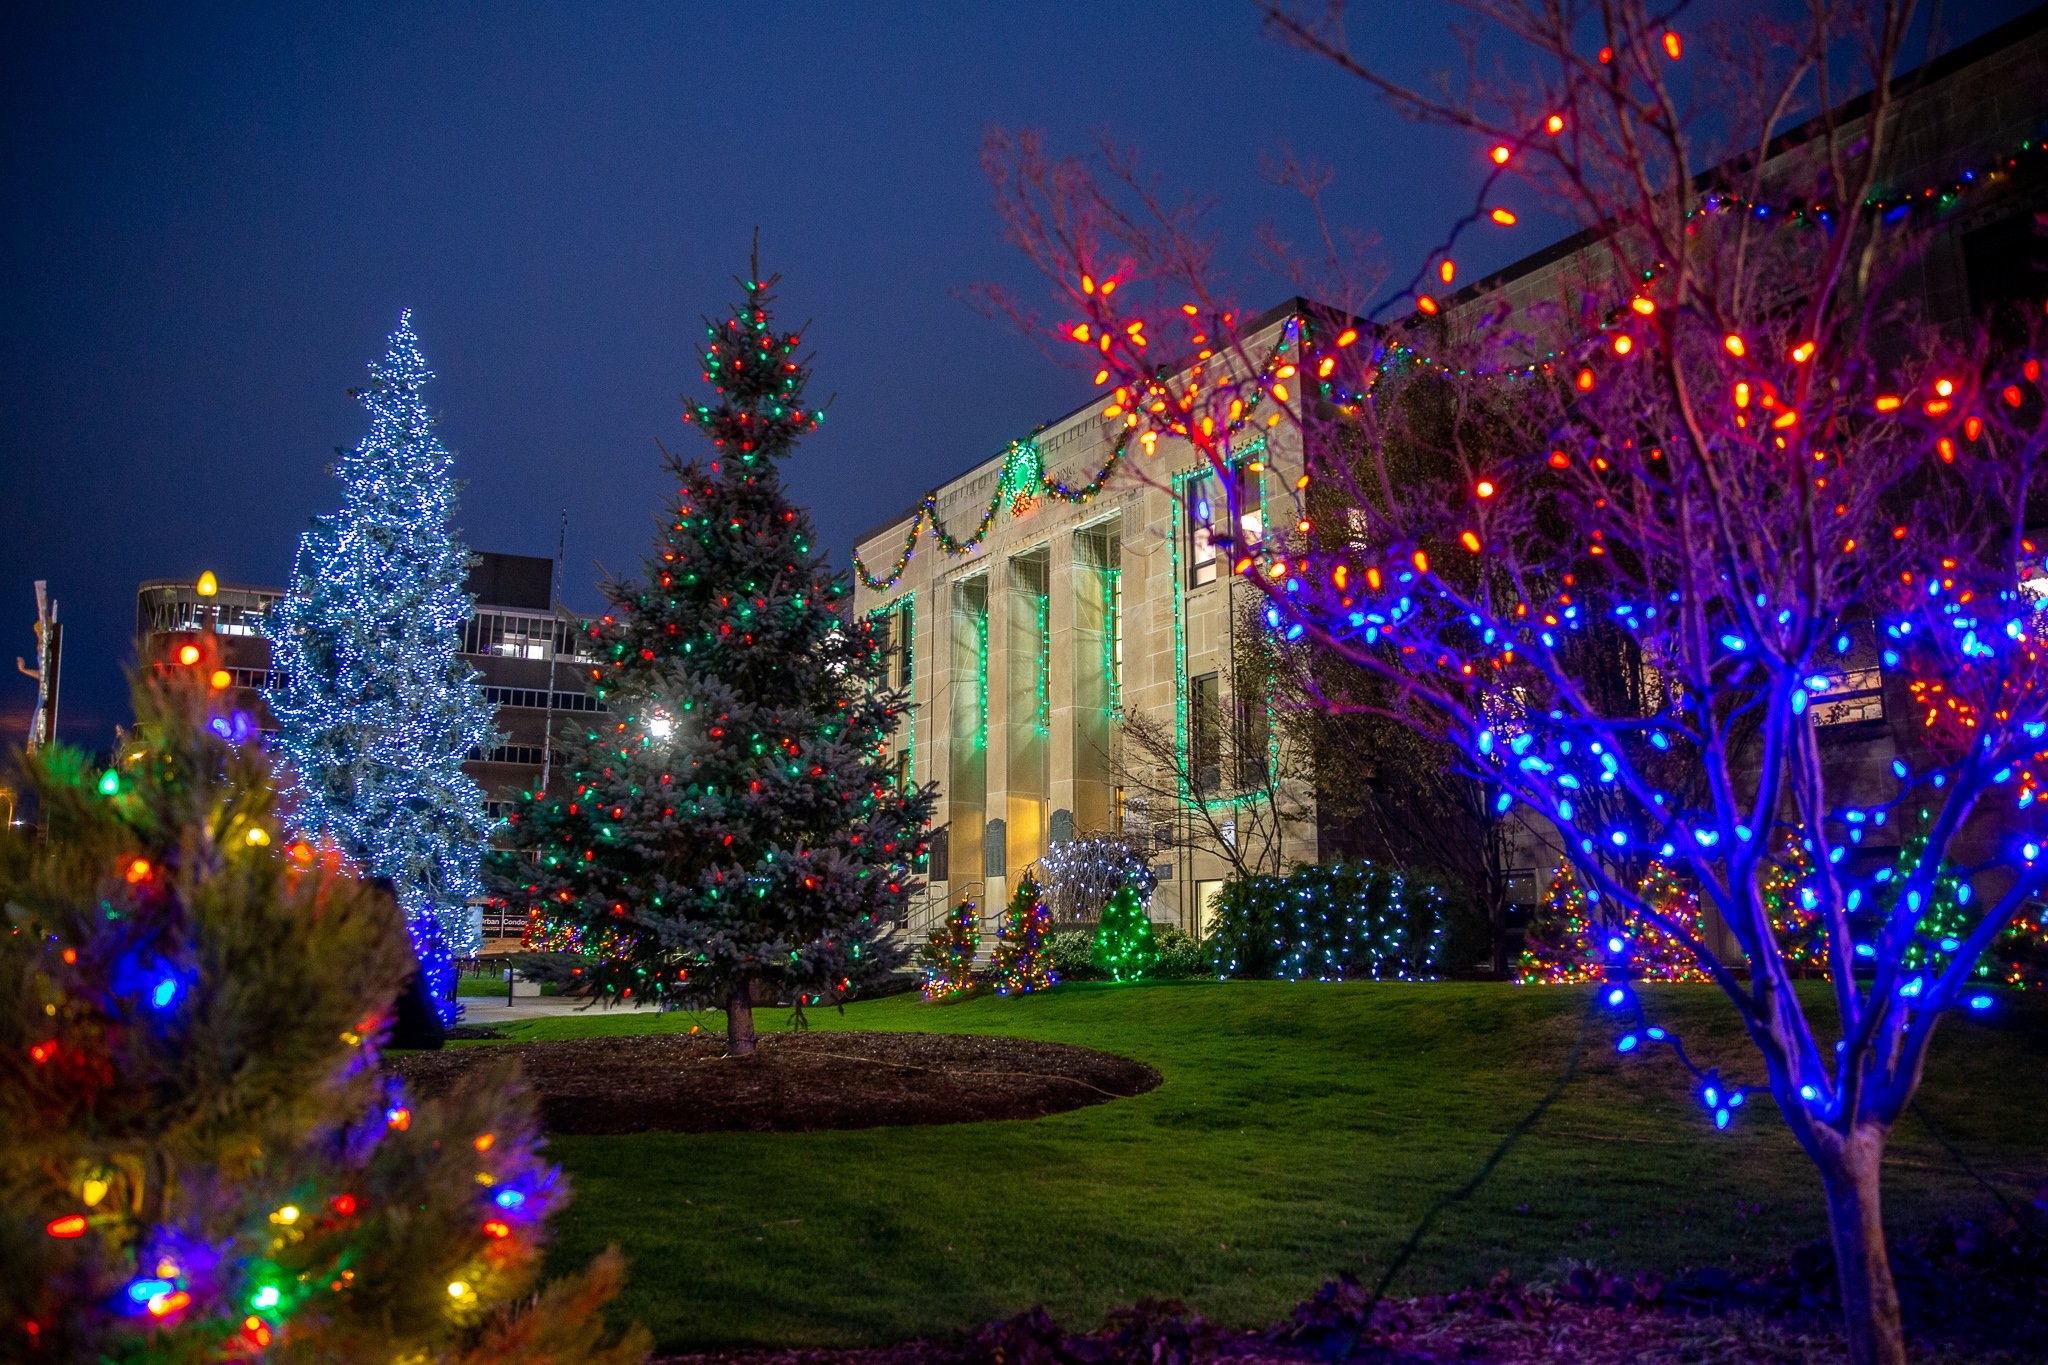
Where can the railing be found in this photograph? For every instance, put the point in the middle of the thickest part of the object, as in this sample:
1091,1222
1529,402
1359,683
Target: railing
924,916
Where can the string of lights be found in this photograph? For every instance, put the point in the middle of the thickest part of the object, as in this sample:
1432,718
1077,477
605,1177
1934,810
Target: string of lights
376,711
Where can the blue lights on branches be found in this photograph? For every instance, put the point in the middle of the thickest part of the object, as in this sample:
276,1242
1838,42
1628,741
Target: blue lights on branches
376,712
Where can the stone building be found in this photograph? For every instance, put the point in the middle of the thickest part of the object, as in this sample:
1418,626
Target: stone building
1042,603
1033,632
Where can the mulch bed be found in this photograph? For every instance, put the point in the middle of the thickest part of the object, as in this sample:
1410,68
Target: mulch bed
796,1082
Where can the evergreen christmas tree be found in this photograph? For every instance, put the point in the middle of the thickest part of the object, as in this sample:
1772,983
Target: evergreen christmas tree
1945,920
1569,942
949,955
199,1159
1023,961
733,826
1789,903
1123,940
375,712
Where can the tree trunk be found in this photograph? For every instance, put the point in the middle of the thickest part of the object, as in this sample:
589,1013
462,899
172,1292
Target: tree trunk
739,1019
1850,1174
1497,932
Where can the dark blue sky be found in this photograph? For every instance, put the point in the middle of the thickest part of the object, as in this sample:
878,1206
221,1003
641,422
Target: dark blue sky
214,214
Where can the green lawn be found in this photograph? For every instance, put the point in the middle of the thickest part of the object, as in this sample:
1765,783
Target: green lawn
1301,1129
469,986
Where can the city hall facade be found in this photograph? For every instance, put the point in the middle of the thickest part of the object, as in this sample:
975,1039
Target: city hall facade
1039,603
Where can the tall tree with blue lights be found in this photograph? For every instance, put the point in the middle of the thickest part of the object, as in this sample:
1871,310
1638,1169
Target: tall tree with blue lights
376,712
732,827
1736,443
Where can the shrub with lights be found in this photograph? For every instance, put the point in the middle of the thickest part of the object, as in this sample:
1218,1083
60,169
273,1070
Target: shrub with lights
729,828
1080,875
948,953
199,1159
1023,957
1334,922
376,712
1124,949
1664,519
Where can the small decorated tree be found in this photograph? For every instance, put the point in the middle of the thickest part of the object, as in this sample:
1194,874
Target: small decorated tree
731,830
199,1159
1123,940
1789,905
1569,941
949,954
1023,960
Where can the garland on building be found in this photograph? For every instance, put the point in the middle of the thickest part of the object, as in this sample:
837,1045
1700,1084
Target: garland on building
949,954
1124,948
1022,482
1024,479
1568,942
1023,961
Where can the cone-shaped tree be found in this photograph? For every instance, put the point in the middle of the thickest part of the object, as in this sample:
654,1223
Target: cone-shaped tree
376,712
1124,946
1023,960
731,825
199,1160
949,954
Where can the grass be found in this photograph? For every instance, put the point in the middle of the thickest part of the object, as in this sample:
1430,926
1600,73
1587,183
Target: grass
469,985
1301,1130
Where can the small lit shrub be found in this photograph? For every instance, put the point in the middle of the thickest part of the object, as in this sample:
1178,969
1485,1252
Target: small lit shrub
1337,922
1124,946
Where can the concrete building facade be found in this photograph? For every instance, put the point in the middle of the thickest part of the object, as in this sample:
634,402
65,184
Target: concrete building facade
1036,605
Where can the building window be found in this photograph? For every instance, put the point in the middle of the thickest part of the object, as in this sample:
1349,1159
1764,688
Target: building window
1201,511
1207,893
1206,505
1252,738
536,699
1854,678
516,635
902,773
1205,733
530,754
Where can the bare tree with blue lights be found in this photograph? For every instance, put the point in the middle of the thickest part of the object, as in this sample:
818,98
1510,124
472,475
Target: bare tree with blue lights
1733,444
376,712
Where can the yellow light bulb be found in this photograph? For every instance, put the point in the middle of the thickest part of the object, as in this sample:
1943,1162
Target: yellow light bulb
208,585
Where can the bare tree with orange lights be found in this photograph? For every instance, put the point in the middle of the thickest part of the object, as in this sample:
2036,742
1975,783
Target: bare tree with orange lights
1728,439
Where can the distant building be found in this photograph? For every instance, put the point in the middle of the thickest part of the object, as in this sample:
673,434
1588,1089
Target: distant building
531,658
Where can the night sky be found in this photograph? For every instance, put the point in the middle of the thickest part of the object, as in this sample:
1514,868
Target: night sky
214,215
